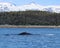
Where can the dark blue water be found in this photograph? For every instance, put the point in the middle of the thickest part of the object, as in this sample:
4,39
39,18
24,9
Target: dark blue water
45,38
30,30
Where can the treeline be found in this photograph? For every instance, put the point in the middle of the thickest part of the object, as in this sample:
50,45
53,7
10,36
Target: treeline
29,18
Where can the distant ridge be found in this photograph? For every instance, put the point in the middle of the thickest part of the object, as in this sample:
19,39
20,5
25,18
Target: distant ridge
7,7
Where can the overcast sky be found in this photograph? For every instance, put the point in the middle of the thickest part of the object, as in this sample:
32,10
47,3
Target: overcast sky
41,2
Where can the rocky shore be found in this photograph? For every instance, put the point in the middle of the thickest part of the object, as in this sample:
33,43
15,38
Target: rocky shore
27,26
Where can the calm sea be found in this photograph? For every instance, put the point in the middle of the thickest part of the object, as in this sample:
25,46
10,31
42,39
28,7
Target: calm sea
41,38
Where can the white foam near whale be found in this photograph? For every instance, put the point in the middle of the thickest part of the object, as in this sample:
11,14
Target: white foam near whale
50,34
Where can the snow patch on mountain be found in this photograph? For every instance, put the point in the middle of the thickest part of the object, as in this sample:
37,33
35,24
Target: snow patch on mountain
7,6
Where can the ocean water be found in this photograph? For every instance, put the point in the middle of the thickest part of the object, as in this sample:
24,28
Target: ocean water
41,38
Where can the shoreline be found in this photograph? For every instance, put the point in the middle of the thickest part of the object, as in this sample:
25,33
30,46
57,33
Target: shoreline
28,26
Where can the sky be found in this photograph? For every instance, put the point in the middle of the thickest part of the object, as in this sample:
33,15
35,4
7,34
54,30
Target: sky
41,2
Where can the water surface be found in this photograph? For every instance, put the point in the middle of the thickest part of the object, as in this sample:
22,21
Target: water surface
45,38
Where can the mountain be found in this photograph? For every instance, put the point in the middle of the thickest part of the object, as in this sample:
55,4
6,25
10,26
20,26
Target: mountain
7,6
31,6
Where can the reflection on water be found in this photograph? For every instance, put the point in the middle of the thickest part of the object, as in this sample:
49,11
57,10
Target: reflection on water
30,41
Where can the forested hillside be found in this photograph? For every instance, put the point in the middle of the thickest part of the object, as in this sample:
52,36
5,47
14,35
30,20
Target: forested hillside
29,18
